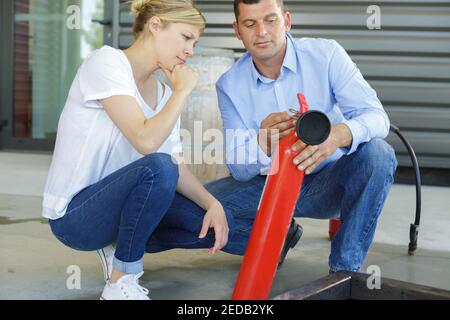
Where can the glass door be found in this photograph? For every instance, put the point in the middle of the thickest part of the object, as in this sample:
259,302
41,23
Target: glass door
50,39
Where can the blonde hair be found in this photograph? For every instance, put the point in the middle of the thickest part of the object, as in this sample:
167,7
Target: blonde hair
169,11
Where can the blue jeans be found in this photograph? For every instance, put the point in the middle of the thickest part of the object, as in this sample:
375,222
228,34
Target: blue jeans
354,188
125,207
135,207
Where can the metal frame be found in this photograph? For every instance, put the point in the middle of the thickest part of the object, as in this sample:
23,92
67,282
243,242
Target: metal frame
6,70
112,24
353,286
7,139
116,23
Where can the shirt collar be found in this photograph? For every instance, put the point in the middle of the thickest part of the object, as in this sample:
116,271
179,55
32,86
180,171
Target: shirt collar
290,62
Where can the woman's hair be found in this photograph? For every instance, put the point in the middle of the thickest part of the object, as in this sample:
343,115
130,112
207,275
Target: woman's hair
169,11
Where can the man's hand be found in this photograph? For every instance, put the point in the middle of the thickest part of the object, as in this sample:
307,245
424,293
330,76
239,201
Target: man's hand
274,128
313,156
216,219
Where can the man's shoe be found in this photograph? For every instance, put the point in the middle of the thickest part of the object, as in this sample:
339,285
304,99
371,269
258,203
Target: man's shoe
293,237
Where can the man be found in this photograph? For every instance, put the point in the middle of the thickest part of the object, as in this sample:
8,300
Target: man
349,175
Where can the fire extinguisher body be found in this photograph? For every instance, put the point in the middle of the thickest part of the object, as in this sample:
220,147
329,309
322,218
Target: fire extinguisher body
277,207
275,214
335,225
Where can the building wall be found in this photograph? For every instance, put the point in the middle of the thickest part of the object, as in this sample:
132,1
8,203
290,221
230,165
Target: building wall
407,62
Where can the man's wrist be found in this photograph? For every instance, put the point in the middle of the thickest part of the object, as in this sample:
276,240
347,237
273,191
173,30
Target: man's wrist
262,142
344,136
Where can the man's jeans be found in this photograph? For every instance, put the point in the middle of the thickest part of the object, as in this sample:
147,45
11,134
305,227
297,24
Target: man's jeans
354,188
138,208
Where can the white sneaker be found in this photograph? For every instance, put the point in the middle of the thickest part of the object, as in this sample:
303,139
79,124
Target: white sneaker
126,288
106,257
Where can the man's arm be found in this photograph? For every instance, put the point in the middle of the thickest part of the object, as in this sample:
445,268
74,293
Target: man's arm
244,157
365,118
273,129
363,111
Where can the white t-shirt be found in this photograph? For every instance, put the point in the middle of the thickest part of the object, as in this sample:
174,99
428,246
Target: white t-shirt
89,146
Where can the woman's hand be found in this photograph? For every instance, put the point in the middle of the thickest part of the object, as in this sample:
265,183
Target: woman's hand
216,219
183,77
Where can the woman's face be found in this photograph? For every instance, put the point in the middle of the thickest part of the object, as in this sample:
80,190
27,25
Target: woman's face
175,43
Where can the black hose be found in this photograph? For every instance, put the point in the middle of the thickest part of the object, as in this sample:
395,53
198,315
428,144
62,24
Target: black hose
414,230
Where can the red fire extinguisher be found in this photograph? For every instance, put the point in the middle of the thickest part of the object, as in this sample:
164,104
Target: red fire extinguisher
335,225
277,206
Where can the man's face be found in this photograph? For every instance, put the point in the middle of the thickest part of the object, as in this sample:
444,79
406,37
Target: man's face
262,28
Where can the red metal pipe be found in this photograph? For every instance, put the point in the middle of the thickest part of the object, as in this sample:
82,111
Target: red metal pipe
272,223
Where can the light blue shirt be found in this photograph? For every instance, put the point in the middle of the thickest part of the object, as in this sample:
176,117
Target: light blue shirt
324,73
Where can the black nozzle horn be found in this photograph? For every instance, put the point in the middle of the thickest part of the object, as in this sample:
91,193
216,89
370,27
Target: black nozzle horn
313,128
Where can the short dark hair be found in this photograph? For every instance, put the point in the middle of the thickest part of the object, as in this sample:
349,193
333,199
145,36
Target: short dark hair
238,2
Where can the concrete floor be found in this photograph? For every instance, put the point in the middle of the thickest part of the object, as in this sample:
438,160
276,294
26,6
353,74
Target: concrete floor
34,265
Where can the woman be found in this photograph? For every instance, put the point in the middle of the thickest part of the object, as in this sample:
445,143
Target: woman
112,178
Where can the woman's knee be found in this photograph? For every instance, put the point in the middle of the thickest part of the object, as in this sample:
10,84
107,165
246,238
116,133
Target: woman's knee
73,238
164,168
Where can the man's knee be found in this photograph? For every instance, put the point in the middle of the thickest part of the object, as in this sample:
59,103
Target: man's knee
219,186
378,156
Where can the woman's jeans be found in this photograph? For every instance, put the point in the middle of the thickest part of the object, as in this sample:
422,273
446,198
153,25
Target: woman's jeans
138,208
125,207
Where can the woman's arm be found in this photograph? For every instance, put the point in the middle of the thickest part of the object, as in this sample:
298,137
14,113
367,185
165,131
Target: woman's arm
190,187
147,135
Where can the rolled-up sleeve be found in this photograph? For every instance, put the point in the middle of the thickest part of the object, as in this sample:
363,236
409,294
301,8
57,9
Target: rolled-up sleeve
102,76
363,112
244,157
